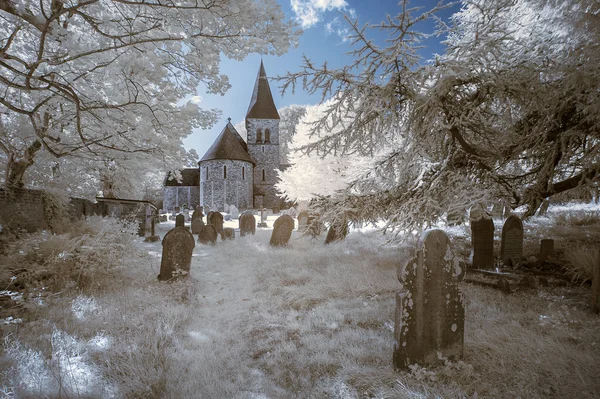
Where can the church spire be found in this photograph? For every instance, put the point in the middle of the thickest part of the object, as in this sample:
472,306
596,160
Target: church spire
262,105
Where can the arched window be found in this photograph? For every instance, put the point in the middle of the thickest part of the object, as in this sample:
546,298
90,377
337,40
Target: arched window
259,135
207,173
243,173
267,136
224,172
263,148
263,175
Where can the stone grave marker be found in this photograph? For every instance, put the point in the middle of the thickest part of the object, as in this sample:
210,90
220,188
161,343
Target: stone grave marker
334,235
282,231
546,249
208,235
227,234
595,300
197,213
197,225
293,212
216,219
152,237
482,239
163,218
263,218
177,247
247,224
511,247
303,218
430,312
177,209
180,221
234,212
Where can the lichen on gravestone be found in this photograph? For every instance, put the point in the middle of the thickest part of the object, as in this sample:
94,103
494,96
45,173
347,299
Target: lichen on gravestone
429,319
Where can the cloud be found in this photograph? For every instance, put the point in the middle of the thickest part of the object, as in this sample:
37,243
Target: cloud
196,99
309,12
339,28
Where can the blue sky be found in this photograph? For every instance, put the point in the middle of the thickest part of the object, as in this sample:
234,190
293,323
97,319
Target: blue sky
324,39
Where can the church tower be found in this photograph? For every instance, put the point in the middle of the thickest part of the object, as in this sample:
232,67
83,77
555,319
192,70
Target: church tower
262,127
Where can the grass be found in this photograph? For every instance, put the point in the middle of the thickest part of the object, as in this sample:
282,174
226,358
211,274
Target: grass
307,321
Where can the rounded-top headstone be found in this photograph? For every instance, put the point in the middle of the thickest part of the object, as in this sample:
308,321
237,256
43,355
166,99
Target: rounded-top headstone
179,221
334,235
282,230
482,239
208,235
197,225
178,245
511,247
247,224
216,219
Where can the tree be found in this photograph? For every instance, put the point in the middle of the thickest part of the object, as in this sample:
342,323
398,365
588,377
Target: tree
95,86
510,110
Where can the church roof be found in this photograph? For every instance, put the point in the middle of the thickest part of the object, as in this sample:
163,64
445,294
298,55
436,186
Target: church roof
229,145
262,105
189,177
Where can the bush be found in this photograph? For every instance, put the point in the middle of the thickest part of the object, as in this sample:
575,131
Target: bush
581,262
582,218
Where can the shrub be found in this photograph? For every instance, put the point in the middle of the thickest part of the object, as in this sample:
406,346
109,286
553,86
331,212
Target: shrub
581,262
581,218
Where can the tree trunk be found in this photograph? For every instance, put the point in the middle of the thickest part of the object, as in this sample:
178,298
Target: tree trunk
16,168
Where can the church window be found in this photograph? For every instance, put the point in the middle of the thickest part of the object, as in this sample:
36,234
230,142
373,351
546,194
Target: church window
259,136
263,148
243,173
224,172
207,173
267,136
263,175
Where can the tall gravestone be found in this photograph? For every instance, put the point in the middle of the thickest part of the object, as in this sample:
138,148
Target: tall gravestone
336,234
177,247
511,247
216,219
282,230
179,221
482,239
595,300
546,249
234,212
208,235
430,312
197,225
247,224
303,220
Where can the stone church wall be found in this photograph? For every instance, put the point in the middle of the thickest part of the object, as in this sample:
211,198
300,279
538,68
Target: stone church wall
216,190
266,157
181,195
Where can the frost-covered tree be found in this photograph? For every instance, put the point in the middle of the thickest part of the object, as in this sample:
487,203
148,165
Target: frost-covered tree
313,173
86,84
510,110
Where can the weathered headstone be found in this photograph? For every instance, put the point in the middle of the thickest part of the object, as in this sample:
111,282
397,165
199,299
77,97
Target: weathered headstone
293,212
164,218
176,260
216,219
179,221
152,237
511,248
226,208
208,235
546,249
197,226
303,218
334,235
263,218
482,239
227,234
247,224
282,230
197,213
430,312
595,300
234,212
177,209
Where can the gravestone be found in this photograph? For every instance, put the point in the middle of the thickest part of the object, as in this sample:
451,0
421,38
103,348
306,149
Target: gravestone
334,235
164,218
247,224
293,212
282,231
234,212
180,221
546,249
152,237
511,247
226,208
263,218
430,312
208,235
227,234
216,219
177,247
197,225
482,239
303,219
197,213
595,300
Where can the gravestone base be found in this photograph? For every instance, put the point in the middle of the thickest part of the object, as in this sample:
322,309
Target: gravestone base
262,225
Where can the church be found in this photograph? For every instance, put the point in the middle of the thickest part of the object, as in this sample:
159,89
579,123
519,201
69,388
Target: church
234,171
